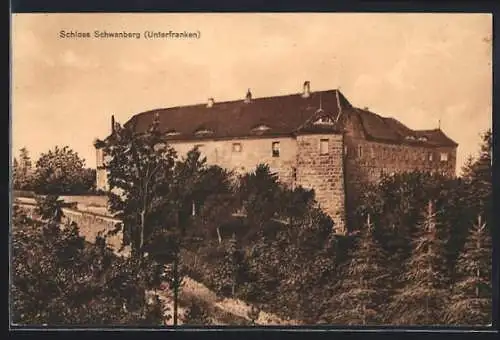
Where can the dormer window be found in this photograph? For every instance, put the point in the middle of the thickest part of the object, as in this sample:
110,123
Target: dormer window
410,137
323,121
423,139
261,128
172,133
203,132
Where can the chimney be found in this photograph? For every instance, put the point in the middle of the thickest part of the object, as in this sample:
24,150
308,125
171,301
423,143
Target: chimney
210,102
248,97
306,93
112,124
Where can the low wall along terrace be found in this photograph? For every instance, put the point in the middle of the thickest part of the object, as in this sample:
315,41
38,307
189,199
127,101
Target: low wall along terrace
89,223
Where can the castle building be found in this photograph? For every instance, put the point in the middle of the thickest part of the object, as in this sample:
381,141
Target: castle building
311,139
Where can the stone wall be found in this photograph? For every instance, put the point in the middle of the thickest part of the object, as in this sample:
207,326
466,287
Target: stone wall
252,153
90,225
367,160
324,173
223,153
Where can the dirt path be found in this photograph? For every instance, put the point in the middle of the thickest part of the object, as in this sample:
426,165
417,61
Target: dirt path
223,310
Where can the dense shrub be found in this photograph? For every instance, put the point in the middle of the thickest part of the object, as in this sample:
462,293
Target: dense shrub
61,171
59,279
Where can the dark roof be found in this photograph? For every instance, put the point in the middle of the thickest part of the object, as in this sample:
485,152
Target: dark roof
277,116
389,129
283,115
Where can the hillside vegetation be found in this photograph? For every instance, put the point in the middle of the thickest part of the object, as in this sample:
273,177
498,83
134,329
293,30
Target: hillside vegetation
418,250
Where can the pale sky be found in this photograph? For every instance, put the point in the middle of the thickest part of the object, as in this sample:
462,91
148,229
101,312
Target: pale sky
417,68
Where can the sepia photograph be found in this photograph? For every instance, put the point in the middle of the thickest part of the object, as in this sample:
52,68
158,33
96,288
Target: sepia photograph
251,170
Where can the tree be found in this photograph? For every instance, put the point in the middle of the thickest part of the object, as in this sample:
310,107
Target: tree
143,193
22,171
471,298
140,174
216,201
228,274
49,208
260,194
477,173
422,299
59,279
395,206
62,171
365,286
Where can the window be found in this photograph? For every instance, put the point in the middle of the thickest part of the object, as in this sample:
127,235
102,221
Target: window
260,129
193,209
323,147
324,121
276,149
100,157
372,151
171,133
444,156
360,151
203,132
431,156
236,147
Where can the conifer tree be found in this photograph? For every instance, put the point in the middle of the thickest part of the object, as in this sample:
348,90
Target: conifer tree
22,171
426,284
364,289
228,274
471,297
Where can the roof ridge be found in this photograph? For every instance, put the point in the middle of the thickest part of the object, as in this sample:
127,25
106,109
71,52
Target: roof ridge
237,100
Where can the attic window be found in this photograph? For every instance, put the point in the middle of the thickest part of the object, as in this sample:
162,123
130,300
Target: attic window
171,133
261,128
423,139
410,137
324,121
203,132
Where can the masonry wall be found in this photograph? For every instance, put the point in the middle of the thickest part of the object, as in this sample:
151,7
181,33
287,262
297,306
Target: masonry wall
253,152
89,225
324,173
222,153
367,160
